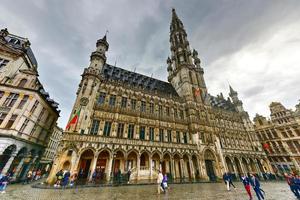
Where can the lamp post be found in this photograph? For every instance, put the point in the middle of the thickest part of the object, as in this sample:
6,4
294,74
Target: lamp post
113,167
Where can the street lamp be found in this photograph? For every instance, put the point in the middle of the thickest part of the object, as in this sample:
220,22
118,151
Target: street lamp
113,167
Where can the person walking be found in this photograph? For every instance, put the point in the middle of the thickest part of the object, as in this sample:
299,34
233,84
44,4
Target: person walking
226,180
4,179
29,176
65,179
246,182
159,182
291,181
165,183
230,180
128,176
256,187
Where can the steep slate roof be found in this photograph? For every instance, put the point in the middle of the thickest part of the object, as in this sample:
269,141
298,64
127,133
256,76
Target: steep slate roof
137,80
220,102
17,43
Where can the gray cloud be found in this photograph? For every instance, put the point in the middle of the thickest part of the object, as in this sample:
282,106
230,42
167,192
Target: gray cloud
253,45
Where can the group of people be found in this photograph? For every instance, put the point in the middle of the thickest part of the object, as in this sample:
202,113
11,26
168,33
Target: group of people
64,178
293,181
162,183
252,180
33,175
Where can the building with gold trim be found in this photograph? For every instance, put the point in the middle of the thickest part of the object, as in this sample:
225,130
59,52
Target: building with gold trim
281,137
129,121
27,113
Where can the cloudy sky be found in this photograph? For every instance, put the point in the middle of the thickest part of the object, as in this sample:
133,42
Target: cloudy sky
253,45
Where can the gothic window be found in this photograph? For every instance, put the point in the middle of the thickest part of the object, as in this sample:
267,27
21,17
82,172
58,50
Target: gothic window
185,139
151,133
11,100
143,106
3,63
142,133
124,102
169,136
151,108
175,113
22,82
120,130
133,104
2,117
101,99
41,114
107,127
34,106
95,127
181,114
160,110
112,100
178,137
23,101
130,131
11,121
161,135
168,111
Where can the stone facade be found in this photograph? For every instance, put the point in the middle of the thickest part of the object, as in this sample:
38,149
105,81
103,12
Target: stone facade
27,113
280,137
50,152
129,121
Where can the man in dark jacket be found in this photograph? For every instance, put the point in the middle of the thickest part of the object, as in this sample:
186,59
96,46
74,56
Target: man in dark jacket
256,186
246,181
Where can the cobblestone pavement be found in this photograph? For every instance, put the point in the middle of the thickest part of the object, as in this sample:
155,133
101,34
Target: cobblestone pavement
204,191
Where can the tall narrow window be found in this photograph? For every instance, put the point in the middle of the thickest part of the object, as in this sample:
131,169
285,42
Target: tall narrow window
11,100
41,114
95,127
175,113
161,135
142,133
151,108
11,121
130,131
120,130
33,130
2,117
124,102
178,137
23,101
22,82
151,134
168,111
133,104
143,106
24,125
3,63
107,127
160,110
185,139
169,136
101,98
181,114
112,100
34,106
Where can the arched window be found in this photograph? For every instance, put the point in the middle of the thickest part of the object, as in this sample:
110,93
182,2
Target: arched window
22,82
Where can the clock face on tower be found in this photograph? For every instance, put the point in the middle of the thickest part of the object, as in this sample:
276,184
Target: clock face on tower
84,101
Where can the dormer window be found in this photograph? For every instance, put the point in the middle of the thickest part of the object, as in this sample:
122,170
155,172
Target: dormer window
3,62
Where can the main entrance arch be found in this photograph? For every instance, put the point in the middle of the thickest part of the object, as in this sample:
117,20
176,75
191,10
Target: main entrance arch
210,160
85,164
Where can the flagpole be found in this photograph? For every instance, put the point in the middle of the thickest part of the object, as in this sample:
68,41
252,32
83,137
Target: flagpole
78,118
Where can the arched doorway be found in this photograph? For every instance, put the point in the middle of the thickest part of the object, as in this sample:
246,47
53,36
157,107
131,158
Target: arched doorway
17,164
177,166
245,164
132,161
66,165
229,165
6,155
209,159
85,164
238,166
261,168
166,165
196,167
156,165
186,167
102,165
252,166
144,161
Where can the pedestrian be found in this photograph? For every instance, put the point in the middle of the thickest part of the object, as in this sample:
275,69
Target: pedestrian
226,180
94,176
246,182
4,179
291,181
159,182
230,180
59,177
165,183
73,179
29,176
128,176
65,179
33,175
256,186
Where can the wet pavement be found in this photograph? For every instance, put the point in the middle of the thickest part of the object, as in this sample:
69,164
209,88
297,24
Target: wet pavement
202,191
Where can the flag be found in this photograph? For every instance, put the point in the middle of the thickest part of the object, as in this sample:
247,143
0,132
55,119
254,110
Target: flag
74,120
197,92
266,146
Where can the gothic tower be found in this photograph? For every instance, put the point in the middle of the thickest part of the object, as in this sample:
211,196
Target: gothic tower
184,70
87,90
238,104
